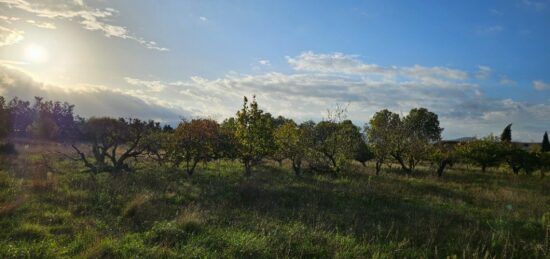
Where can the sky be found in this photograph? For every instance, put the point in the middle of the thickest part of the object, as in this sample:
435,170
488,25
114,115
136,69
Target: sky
479,65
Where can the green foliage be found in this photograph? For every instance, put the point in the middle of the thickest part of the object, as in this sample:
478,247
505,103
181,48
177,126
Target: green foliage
383,135
334,145
420,130
519,159
486,152
363,152
254,134
291,143
197,140
408,140
443,155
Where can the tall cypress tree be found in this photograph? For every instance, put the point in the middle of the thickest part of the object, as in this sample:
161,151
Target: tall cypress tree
545,143
506,135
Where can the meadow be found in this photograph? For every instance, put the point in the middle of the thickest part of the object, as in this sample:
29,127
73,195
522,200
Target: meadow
51,207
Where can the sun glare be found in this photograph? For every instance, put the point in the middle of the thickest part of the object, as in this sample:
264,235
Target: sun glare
36,53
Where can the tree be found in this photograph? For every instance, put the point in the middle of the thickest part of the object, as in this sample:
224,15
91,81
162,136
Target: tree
545,143
291,141
160,145
514,156
5,119
443,155
532,162
544,160
334,143
112,142
363,153
254,135
486,152
420,130
381,134
280,154
195,141
506,135
45,120
280,121
22,116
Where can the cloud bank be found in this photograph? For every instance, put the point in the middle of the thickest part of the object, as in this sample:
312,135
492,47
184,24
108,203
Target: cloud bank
316,83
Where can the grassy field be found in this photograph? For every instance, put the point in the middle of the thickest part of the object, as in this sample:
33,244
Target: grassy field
50,208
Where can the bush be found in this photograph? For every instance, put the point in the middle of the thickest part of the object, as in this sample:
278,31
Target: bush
8,149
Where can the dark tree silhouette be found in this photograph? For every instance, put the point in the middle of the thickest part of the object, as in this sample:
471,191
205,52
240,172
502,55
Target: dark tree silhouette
545,143
506,135
113,141
5,119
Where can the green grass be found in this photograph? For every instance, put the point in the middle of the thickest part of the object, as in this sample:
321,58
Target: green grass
49,208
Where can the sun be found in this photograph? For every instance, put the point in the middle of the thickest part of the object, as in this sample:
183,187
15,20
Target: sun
36,53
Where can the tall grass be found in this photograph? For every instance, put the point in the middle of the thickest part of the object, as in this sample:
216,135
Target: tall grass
58,210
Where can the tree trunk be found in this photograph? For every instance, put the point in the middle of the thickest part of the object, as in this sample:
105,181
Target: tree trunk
402,163
297,166
378,166
247,168
412,165
483,168
191,170
441,168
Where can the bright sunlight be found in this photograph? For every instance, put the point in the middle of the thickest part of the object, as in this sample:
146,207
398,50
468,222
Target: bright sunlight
36,53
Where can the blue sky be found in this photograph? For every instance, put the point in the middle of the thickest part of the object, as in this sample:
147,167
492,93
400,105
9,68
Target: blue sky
479,64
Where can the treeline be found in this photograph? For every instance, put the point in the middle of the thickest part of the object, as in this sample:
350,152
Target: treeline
42,119
252,136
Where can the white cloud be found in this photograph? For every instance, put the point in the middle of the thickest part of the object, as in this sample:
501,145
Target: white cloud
350,64
264,62
504,80
202,18
152,86
8,19
540,85
44,25
10,36
484,72
90,18
537,5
